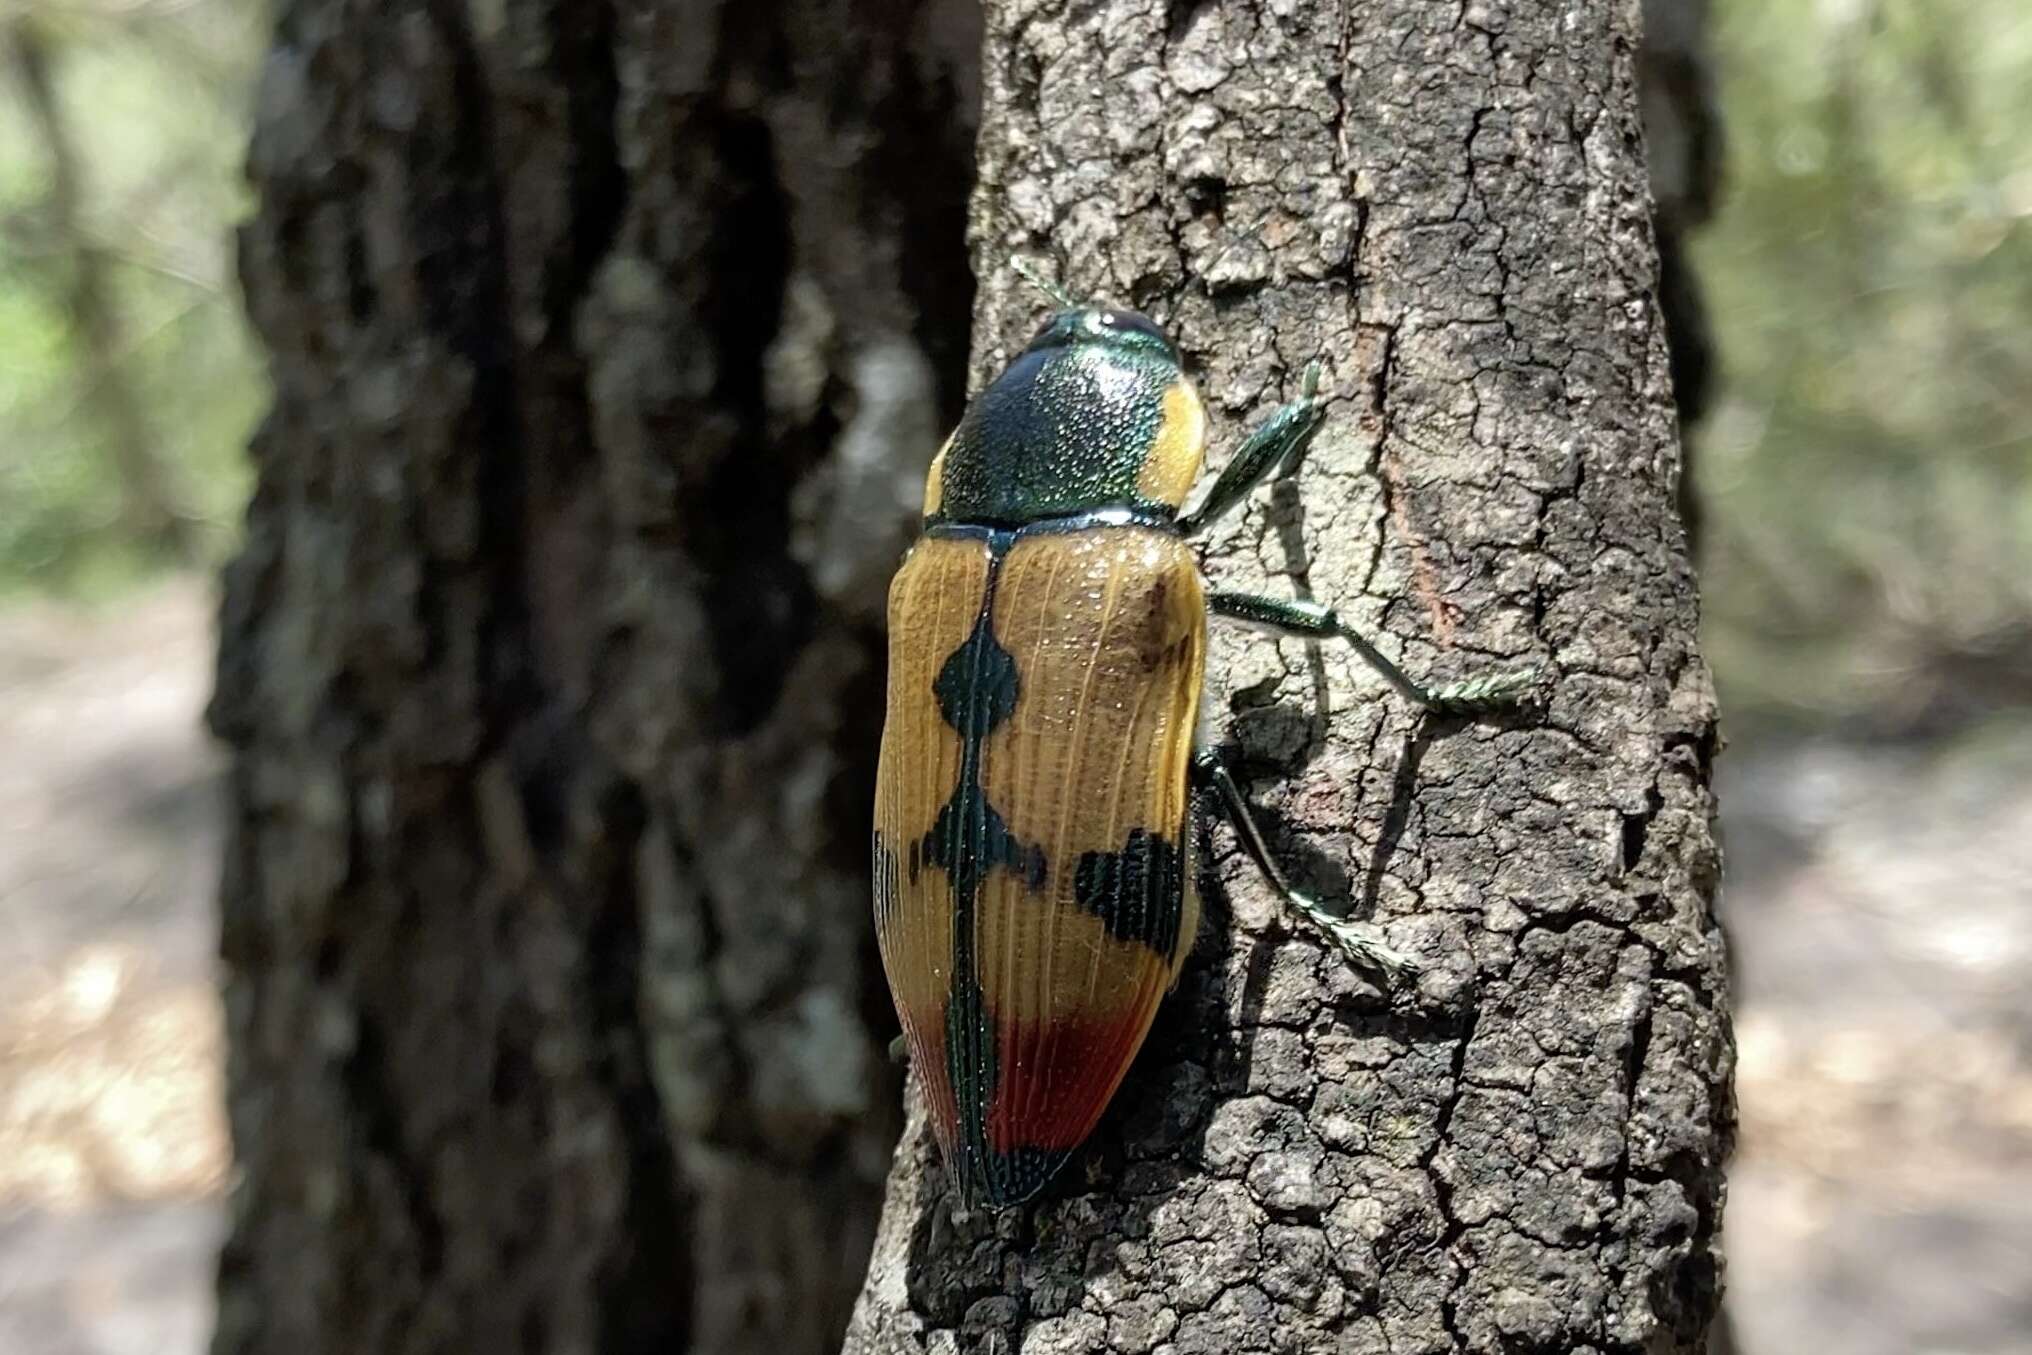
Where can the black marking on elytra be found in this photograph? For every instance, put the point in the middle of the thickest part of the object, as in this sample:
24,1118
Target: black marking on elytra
982,1174
976,687
970,838
1137,891
973,1069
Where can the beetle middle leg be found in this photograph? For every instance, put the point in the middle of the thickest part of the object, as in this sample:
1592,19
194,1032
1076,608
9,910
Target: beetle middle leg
1312,621
1357,940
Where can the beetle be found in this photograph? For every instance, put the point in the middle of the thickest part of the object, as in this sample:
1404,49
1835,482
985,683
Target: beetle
1041,761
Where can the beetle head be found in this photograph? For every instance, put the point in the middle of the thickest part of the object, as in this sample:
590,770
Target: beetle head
1107,327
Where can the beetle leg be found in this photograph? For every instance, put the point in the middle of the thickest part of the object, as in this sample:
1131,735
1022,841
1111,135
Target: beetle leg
1276,444
1313,621
1359,942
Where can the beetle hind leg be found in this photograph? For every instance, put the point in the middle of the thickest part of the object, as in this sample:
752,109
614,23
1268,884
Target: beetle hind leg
1359,942
1312,621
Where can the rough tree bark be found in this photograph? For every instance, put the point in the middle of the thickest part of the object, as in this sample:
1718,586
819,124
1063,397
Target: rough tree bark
1522,1152
609,343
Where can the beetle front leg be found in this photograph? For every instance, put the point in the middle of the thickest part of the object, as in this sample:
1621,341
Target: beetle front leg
1312,621
1276,444
1358,941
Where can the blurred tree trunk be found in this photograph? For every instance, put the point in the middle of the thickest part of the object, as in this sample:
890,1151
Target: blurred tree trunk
149,509
1522,1152
609,343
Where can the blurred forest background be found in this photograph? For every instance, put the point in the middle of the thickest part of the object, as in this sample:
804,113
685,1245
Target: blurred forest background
1865,476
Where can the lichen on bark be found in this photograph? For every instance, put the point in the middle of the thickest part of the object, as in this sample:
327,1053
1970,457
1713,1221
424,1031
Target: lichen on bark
1447,205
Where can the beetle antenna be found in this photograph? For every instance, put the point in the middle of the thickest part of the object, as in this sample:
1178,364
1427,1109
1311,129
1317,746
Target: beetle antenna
1038,280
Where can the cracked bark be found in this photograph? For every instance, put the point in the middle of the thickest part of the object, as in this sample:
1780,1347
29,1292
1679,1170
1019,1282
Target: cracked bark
1522,1152
608,343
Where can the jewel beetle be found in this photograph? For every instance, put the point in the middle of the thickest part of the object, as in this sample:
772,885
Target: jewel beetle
1041,760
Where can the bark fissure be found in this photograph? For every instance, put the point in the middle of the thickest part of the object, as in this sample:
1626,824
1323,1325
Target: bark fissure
1454,1228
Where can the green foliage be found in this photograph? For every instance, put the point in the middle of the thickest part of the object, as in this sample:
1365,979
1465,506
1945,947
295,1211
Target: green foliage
1868,469
151,98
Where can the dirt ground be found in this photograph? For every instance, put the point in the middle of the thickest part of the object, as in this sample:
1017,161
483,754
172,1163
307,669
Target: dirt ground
113,1150
1881,1202
1880,912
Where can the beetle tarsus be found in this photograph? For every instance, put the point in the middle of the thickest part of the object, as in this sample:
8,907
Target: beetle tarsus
1359,942
1480,695
1308,385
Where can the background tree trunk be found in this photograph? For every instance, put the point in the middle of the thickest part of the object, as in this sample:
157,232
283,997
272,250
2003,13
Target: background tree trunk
609,344
1522,1152
1683,147
150,508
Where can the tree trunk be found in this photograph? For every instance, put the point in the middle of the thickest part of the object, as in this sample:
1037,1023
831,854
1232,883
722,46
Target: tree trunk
609,344
1522,1151
150,514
